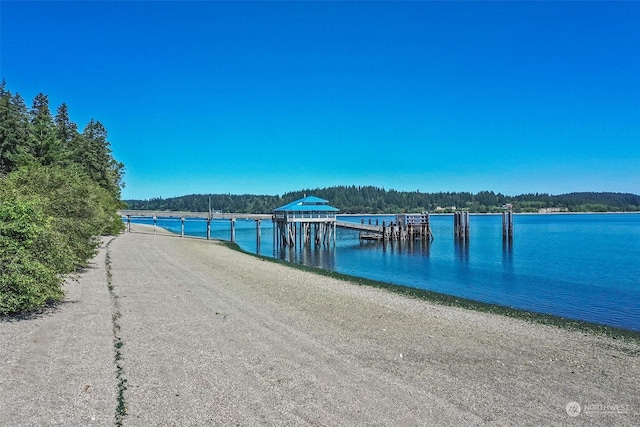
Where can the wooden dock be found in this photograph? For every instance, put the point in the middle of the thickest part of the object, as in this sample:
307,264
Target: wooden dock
206,216
404,228
322,225
185,214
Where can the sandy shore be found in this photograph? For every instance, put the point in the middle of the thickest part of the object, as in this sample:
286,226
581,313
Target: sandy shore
210,336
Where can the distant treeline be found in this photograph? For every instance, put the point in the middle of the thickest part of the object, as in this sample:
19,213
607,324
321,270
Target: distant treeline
59,190
370,200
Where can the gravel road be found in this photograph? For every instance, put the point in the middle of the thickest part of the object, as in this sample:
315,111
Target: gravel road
190,332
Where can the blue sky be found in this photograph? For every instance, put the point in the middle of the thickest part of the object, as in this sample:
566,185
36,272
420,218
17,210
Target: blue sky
270,97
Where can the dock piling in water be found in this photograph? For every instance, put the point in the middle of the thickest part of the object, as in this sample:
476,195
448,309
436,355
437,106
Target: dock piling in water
461,230
507,225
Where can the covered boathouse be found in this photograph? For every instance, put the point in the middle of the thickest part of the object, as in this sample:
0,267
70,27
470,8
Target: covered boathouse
307,219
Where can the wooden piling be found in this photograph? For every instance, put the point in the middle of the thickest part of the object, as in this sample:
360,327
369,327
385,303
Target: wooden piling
233,230
182,228
466,225
507,225
461,229
258,236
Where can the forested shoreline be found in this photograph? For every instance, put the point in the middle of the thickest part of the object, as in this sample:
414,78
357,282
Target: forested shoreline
375,200
59,191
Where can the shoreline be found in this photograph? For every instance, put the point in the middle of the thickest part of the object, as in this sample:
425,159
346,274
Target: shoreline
199,333
437,297
460,302
515,213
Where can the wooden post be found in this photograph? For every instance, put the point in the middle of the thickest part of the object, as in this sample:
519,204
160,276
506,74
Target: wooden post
507,225
456,225
129,223
334,233
182,220
466,225
233,230
292,234
504,225
461,229
510,225
155,219
274,232
258,236
208,228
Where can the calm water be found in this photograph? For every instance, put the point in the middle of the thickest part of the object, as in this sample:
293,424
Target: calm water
582,266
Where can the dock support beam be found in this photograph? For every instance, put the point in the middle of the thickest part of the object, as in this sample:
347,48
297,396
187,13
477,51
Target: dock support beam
129,223
304,233
208,228
182,227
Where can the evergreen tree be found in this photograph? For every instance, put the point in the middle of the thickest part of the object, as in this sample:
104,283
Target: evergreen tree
59,189
14,129
66,130
44,146
93,153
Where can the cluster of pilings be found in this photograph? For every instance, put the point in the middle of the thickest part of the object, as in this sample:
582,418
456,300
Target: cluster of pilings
320,233
461,229
405,227
394,232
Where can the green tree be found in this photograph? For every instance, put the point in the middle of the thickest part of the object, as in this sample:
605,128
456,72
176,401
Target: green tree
14,129
92,152
80,208
44,147
66,130
59,191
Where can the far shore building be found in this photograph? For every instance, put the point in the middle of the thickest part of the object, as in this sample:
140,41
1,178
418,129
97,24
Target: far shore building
306,220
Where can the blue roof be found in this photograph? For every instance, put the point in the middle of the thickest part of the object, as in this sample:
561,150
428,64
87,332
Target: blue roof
309,203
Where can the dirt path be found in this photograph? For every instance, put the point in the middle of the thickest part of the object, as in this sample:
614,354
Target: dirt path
211,336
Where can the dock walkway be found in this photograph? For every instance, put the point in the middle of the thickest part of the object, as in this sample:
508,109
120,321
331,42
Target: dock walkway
187,214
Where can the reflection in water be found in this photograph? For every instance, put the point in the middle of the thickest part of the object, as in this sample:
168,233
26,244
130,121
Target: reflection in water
324,256
412,247
507,254
461,249
311,255
509,278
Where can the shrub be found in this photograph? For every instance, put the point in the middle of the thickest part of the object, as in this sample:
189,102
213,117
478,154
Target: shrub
32,255
50,217
81,209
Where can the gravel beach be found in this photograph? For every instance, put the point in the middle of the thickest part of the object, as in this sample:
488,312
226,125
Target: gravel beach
181,331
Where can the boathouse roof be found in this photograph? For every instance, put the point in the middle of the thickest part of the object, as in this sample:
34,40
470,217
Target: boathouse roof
309,203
